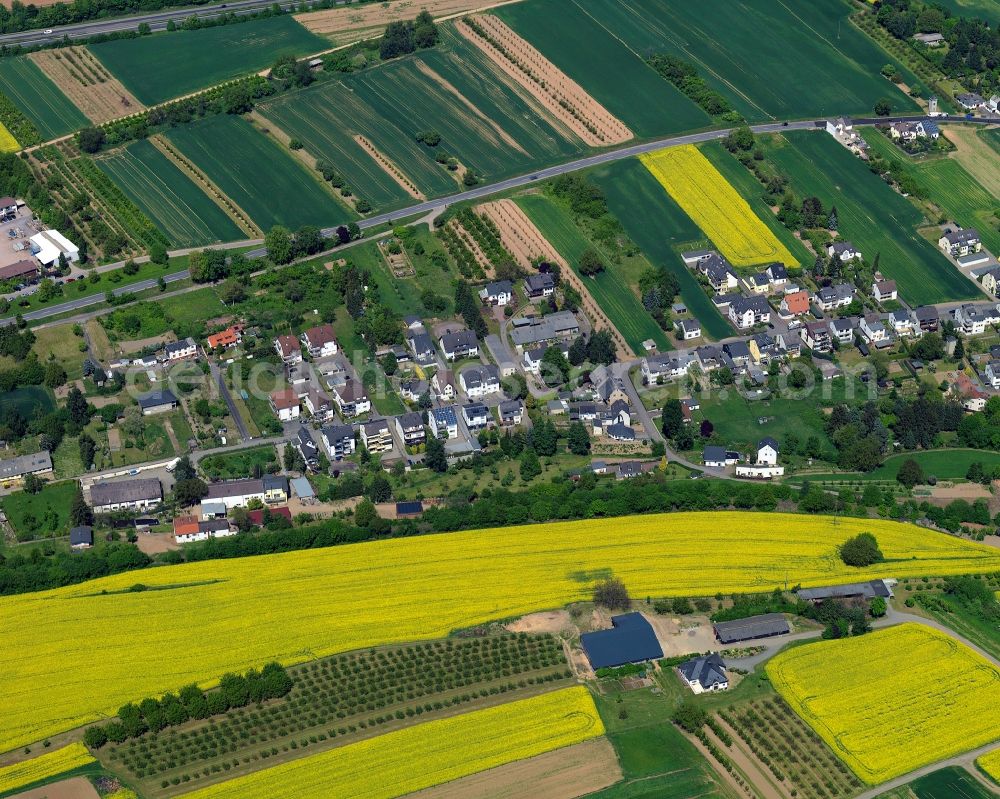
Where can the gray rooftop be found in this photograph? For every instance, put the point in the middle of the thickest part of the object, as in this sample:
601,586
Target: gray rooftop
136,490
763,626
869,590
25,464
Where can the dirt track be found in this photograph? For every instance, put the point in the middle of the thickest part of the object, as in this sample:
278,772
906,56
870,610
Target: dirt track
87,83
561,96
562,774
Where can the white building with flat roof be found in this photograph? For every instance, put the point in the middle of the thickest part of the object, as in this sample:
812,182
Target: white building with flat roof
48,245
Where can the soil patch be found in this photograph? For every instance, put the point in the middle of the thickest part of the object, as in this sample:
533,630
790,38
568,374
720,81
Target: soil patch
87,83
550,621
682,635
473,246
155,543
942,495
75,788
390,168
563,774
746,762
561,96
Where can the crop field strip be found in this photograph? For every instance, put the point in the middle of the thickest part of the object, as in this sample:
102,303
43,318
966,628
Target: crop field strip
262,179
609,71
929,708
168,65
87,83
561,96
610,291
427,754
978,151
662,230
8,144
186,214
43,767
716,207
551,565
871,215
38,98
808,59
946,183
340,700
990,764
487,123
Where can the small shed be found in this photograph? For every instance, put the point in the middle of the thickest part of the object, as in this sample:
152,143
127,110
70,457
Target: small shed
81,537
302,487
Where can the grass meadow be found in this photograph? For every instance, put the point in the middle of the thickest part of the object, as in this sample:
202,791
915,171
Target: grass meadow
40,515
186,215
38,98
945,464
258,175
167,65
611,289
662,230
877,219
613,73
808,60
29,400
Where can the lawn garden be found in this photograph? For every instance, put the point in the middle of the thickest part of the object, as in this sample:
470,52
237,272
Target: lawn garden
438,583
167,65
185,214
38,98
240,463
41,515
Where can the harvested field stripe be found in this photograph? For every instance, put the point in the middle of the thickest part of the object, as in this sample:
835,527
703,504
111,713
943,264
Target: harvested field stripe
715,206
44,767
87,83
8,144
390,168
427,754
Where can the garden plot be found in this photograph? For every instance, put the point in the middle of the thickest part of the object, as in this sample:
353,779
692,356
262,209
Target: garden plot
558,93
519,235
87,83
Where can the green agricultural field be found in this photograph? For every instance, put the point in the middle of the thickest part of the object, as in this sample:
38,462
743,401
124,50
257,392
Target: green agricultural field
945,464
946,183
257,174
489,128
807,58
185,214
877,219
28,400
193,307
983,9
41,515
662,230
576,41
953,782
39,98
167,65
610,289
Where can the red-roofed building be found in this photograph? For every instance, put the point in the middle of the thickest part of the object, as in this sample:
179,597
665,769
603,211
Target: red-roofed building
320,341
229,337
186,529
285,404
256,517
24,271
794,304
288,348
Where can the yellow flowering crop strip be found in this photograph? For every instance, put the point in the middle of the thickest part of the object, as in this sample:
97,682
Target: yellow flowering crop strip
990,764
8,144
418,757
715,206
74,654
43,767
894,700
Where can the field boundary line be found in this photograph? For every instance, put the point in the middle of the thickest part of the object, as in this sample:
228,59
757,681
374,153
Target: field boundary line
388,166
203,182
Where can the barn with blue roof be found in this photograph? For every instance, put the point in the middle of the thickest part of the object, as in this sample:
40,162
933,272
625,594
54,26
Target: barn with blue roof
630,640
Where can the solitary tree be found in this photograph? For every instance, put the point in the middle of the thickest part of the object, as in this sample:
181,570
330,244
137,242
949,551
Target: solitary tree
672,418
79,511
612,594
434,456
861,550
910,473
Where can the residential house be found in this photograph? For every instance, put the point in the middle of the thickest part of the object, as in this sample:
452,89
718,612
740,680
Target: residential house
511,412
478,381
460,344
499,292
186,530
902,323
8,208
843,249
133,494
619,432
300,377
540,285
816,336
758,283
777,274
179,350
993,104
704,673
957,243
81,537
842,330
422,347
612,390
443,384
443,422
532,331
794,304
288,348
927,318
746,312
970,101
930,39
717,457
160,401
721,276
991,280
285,404
352,399
767,452
410,427
884,290
709,357
226,339
19,467
738,352
319,405
973,319
269,489
306,445
830,298
689,328
626,470
657,368
992,373
338,441
320,341
911,131
477,416
411,389
377,436
873,330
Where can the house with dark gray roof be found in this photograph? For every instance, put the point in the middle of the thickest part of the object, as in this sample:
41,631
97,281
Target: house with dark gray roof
705,673
460,344
751,628
159,401
22,465
134,494
540,285
81,537
338,441
960,242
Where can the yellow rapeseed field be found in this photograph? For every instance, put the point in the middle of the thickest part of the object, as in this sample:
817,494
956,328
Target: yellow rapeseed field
716,207
894,700
418,757
74,653
991,764
8,144
43,767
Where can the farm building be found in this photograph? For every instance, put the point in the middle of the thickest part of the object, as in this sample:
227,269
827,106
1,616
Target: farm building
238,493
869,590
22,271
256,517
48,245
126,495
630,640
731,632
705,673
157,402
